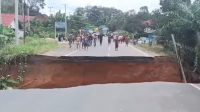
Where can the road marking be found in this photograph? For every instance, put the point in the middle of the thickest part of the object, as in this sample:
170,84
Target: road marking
71,53
195,86
140,51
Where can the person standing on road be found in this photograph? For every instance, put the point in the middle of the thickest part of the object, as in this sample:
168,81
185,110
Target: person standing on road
127,40
78,41
114,38
109,39
82,41
70,40
73,38
116,43
87,44
98,37
90,39
101,38
95,40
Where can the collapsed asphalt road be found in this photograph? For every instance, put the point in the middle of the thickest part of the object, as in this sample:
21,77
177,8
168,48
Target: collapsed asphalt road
137,97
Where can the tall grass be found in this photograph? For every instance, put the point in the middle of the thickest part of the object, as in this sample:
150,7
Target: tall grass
154,48
32,46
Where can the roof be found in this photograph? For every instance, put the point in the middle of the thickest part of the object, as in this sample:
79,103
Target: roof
41,17
27,18
7,19
141,97
148,22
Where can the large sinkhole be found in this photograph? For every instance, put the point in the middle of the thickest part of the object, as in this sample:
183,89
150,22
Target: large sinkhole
62,72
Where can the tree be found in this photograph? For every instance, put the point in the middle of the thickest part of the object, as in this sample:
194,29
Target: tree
97,15
144,14
171,5
117,23
182,20
144,9
8,6
157,17
35,6
132,22
80,11
76,22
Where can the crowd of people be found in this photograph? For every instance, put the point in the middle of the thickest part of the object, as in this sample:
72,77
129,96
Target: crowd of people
86,40
120,39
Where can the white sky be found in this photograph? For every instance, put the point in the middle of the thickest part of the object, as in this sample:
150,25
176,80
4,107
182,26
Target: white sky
123,5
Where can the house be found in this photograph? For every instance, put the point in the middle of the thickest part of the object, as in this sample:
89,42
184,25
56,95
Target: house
148,22
9,21
148,30
41,17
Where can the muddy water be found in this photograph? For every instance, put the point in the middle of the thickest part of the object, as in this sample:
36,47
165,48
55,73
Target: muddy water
53,72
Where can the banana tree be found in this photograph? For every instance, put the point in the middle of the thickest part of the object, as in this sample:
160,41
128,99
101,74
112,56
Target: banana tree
7,83
6,35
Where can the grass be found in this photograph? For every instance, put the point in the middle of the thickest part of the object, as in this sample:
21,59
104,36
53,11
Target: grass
12,52
154,48
32,46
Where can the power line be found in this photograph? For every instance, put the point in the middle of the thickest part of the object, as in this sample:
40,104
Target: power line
50,10
16,23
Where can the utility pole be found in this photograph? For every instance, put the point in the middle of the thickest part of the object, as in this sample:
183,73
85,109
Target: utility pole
29,25
0,14
65,20
50,10
182,71
16,23
68,17
28,13
24,5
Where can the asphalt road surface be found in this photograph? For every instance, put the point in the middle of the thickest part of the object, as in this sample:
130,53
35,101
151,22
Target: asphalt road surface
108,50
143,97
137,97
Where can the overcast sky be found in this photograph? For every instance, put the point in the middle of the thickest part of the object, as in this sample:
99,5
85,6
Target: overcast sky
123,5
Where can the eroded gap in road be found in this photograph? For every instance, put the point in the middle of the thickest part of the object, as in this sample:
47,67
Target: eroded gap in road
53,72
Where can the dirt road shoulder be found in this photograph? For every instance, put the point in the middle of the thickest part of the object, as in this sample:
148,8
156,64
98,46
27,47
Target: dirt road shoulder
62,50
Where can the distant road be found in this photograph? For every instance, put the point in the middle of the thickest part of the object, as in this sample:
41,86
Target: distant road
106,50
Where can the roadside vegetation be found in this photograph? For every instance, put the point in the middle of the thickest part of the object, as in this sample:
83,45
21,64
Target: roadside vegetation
158,49
11,53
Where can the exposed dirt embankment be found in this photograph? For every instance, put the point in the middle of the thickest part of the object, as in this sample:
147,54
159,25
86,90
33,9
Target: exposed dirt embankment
62,72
